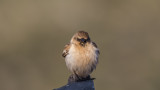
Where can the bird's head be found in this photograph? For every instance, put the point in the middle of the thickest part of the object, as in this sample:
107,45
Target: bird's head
81,38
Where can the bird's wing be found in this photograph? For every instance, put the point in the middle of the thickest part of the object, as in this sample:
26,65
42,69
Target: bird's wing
66,50
94,44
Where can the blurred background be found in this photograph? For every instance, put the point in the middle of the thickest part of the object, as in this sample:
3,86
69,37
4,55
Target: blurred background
33,35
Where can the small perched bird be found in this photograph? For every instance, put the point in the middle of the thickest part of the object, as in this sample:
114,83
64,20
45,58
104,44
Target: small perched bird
81,56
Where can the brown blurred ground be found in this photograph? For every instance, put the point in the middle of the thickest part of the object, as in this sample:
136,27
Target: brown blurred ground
33,34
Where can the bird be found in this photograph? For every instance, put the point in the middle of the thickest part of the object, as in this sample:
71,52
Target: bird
81,57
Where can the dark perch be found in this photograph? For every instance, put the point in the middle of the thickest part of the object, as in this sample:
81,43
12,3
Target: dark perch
82,85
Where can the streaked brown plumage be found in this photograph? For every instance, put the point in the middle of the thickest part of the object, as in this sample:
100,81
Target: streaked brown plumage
81,56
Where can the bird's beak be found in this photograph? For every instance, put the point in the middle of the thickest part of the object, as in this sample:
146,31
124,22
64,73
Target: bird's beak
83,41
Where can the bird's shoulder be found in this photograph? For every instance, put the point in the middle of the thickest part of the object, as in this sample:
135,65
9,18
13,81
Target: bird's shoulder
66,50
95,45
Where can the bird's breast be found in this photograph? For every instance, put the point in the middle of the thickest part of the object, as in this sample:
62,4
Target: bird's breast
81,58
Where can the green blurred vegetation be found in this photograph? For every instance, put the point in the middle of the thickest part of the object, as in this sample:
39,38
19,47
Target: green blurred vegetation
33,34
